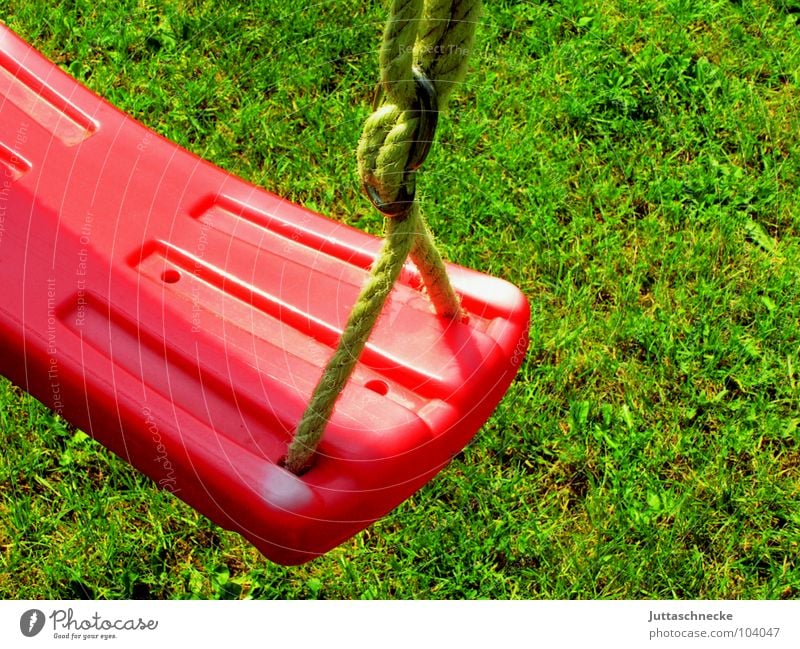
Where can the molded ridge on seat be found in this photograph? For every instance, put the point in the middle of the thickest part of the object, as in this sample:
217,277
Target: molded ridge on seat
182,317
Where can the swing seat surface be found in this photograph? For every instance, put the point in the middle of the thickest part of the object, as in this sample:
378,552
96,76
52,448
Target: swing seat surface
182,318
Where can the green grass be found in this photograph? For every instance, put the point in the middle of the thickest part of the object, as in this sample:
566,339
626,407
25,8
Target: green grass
634,167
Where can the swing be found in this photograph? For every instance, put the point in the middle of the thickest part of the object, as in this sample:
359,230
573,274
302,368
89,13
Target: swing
188,320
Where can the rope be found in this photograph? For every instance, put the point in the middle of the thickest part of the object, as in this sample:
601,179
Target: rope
423,39
437,39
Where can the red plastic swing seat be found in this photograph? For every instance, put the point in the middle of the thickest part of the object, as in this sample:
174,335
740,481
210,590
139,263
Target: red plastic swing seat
182,317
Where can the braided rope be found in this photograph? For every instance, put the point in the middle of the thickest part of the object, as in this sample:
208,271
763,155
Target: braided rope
436,37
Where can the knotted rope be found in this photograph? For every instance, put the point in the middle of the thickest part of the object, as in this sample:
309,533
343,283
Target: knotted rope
424,54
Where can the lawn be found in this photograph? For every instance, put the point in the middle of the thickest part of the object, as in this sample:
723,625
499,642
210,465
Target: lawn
634,167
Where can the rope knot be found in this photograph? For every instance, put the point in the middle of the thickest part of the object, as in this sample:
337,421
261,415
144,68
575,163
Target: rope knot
395,142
